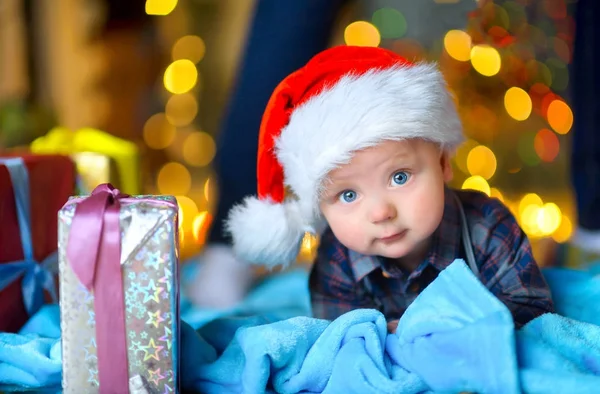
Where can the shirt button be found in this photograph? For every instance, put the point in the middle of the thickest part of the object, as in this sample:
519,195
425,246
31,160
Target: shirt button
386,275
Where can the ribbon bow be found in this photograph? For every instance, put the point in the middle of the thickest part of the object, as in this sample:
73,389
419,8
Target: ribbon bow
94,254
36,276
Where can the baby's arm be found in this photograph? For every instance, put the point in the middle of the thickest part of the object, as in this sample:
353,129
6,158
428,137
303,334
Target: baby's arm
520,285
332,286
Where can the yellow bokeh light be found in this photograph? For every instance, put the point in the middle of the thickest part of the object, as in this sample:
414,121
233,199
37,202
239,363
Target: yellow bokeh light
564,231
174,179
529,219
160,7
189,47
207,186
199,149
560,116
181,76
485,60
529,199
477,183
458,45
481,161
462,153
517,103
548,218
496,194
181,109
158,132
187,211
362,34
308,248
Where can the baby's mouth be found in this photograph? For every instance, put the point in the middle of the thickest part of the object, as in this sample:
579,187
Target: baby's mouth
393,237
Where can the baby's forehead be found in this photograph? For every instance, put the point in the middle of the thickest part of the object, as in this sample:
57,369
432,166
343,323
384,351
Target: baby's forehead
409,151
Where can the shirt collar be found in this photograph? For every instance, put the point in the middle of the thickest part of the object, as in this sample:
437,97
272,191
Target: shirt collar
443,250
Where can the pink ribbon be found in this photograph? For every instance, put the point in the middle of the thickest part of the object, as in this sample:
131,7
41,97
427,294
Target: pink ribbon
94,253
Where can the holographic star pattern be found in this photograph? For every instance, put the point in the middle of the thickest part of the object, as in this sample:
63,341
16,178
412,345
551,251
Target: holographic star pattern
155,376
155,319
151,292
153,260
154,353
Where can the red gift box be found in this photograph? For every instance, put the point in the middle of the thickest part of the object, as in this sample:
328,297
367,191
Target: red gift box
51,183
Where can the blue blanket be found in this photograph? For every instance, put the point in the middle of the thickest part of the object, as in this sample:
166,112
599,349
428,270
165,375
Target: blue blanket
455,337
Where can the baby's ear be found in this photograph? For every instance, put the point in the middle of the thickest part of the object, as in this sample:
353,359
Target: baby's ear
446,166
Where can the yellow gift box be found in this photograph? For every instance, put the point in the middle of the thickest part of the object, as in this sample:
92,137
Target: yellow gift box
87,146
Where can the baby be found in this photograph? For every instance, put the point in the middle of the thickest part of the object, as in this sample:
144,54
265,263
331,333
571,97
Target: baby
356,146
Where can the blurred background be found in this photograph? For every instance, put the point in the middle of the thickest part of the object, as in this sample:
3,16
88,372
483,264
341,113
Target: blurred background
140,92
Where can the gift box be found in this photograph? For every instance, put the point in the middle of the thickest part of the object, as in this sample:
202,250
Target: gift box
119,293
32,190
119,165
94,169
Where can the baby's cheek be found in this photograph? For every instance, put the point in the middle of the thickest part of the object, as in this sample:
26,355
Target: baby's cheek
352,236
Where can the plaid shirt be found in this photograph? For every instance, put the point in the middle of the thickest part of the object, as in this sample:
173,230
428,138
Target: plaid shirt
338,281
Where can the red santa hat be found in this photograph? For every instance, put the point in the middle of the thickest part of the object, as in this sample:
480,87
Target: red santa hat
345,99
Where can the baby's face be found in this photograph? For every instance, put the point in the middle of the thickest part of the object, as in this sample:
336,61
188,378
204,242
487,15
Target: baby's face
389,199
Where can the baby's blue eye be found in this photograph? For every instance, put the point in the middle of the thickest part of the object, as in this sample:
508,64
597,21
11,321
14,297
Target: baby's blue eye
400,178
348,196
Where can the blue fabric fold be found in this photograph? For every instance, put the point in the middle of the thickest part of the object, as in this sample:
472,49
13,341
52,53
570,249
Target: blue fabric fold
456,336
37,277
31,360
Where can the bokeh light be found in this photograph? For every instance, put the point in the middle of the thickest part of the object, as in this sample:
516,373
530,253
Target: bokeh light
389,22
458,45
362,33
560,117
207,189
481,161
189,47
462,154
526,148
548,218
174,179
160,7
180,76
201,225
517,103
158,133
199,149
187,211
477,182
527,200
564,231
546,145
495,193
485,60
181,109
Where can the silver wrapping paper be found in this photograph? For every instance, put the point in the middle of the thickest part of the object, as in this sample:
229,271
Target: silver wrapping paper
149,258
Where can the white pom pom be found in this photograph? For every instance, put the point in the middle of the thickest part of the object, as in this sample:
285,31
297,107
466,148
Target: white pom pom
266,233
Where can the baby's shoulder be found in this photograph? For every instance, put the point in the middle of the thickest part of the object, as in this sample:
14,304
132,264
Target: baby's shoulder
480,207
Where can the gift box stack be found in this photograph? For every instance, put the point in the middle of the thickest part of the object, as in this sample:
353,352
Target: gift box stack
119,294
116,259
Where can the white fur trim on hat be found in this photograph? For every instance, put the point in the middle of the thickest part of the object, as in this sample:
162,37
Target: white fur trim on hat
360,111
266,233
